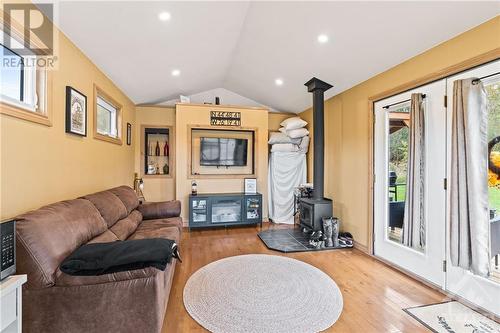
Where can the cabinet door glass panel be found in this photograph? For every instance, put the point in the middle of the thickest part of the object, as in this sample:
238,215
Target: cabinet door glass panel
226,210
200,210
252,208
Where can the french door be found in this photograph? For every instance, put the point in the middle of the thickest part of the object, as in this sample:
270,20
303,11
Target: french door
483,292
431,261
391,142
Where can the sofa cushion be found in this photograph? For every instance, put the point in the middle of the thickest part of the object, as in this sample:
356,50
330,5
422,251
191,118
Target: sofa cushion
105,237
158,223
125,227
127,196
63,279
48,235
167,232
109,205
159,210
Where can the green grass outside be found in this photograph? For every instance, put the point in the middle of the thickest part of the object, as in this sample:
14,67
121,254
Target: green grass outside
494,195
401,192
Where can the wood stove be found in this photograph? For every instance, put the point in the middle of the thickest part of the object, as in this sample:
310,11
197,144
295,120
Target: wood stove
312,210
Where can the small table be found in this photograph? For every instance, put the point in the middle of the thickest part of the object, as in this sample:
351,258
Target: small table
10,303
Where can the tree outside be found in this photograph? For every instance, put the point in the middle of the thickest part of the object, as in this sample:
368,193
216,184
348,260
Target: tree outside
493,91
398,159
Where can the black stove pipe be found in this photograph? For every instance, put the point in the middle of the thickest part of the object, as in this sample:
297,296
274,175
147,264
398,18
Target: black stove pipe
318,87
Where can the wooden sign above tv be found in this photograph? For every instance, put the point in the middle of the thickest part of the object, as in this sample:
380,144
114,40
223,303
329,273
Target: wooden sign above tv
224,118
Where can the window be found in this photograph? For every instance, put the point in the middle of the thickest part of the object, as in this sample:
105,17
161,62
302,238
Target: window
22,85
12,77
107,117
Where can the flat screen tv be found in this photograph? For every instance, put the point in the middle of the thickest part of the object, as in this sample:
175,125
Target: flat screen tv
223,152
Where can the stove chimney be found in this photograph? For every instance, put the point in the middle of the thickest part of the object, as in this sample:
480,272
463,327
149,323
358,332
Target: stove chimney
318,87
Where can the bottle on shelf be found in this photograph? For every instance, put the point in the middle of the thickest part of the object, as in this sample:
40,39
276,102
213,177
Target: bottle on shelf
165,169
194,188
157,150
166,149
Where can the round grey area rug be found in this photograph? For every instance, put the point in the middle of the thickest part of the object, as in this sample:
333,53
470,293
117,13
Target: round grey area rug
262,293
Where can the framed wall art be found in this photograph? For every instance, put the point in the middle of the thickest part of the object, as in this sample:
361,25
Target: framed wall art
250,185
129,134
76,112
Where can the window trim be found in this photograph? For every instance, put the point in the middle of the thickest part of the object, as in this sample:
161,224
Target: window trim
98,92
43,90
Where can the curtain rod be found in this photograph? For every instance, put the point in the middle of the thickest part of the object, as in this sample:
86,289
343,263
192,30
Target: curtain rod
406,100
476,81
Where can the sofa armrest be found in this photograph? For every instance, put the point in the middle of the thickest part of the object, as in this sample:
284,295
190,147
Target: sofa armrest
160,210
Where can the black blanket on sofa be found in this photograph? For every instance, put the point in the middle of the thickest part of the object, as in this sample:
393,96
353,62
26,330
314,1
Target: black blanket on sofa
105,258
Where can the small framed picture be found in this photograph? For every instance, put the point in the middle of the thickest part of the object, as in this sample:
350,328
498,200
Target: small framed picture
76,112
251,185
129,134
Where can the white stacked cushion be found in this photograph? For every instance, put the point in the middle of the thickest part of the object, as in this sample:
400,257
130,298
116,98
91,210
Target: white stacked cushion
279,137
293,123
304,145
301,147
297,133
284,147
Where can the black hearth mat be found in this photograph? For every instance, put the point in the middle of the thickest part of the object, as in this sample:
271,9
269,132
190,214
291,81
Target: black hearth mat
290,240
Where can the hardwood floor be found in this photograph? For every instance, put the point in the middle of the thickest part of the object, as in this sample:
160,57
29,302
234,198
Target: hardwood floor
374,294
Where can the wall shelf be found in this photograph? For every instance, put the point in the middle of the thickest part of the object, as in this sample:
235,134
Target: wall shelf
157,152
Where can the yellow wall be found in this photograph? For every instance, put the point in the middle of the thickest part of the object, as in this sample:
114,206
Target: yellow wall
347,122
42,165
275,118
156,188
199,115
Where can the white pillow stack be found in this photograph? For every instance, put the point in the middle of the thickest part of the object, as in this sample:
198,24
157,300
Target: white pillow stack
292,136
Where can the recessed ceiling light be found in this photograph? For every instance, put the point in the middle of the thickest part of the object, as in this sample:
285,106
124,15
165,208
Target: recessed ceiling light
164,16
278,82
176,72
322,38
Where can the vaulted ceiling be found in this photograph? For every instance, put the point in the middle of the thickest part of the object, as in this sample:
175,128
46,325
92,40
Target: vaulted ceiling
245,46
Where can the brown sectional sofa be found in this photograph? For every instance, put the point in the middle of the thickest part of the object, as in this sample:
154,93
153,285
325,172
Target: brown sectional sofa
132,301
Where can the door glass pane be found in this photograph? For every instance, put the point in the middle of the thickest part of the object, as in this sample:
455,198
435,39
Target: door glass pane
399,122
493,94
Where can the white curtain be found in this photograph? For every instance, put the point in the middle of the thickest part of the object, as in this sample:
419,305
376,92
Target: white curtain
469,218
287,170
414,217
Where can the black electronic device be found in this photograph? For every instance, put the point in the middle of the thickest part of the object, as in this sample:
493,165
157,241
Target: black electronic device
7,248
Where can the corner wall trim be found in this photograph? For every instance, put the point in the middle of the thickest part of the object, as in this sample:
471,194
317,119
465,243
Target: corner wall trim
361,247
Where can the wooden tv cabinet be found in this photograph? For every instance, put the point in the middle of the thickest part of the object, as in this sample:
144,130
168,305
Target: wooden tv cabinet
224,209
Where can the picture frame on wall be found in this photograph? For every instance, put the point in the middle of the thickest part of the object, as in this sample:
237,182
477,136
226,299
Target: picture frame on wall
129,134
250,185
76,112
